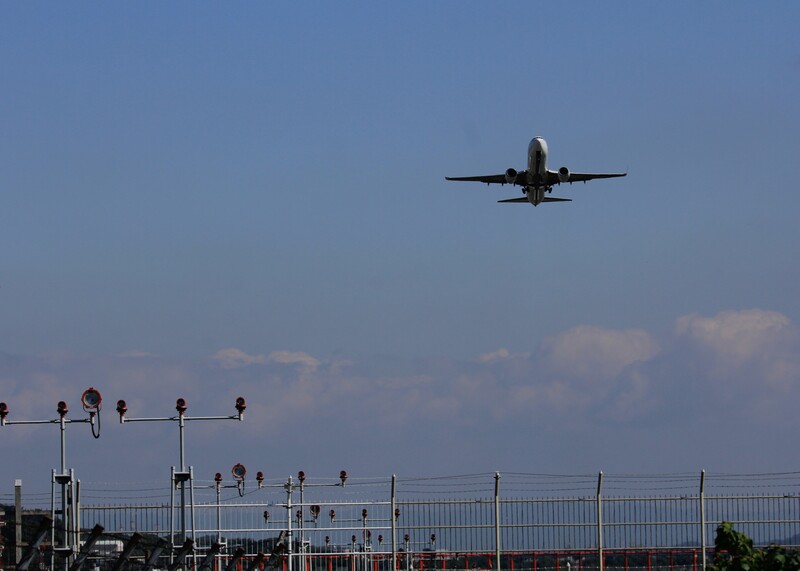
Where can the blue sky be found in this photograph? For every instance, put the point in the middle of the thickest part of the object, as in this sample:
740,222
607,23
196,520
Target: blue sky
207,200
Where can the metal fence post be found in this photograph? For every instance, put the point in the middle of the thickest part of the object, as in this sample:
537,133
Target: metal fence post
191,510
76,511
18,520
497,520
703,516
172,488
600,561
394,522
52,518
289,537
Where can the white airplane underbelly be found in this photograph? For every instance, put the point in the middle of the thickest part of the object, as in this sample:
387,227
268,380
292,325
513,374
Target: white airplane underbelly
535,195
537,161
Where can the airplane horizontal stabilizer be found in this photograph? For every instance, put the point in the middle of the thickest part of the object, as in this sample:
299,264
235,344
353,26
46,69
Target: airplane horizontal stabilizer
545,199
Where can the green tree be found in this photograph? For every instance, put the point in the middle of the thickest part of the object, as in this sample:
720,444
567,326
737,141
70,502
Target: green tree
734,551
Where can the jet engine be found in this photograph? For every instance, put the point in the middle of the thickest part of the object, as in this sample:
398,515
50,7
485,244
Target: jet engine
511,176
563,174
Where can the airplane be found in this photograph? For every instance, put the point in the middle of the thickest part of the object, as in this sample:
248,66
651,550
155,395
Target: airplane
538,180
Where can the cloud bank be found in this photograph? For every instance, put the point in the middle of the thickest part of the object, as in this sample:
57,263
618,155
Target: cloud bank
581,397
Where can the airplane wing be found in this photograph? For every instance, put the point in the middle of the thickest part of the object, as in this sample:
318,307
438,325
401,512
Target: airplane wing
545,199
488,179
552,176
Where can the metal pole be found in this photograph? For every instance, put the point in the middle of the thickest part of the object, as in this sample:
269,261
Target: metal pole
64,487
52,520
172,515
302,527
289,490
180,435
600,562
703,516
182,536
497,520
183,480
191,510
217,486
180,556
63,425
18,520
76,501
71,532
78,511
394,523
83,553
365,557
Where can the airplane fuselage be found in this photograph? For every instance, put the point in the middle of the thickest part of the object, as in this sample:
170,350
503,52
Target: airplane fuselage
537,170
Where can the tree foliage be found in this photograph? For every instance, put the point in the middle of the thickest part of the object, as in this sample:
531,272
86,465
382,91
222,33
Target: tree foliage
734,551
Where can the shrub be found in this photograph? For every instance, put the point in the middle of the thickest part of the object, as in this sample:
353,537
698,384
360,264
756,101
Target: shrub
734,551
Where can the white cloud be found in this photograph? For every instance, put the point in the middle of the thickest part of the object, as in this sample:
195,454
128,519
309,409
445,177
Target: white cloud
501,355
308,362
494,356
751,350
233,358
738,335
592,353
